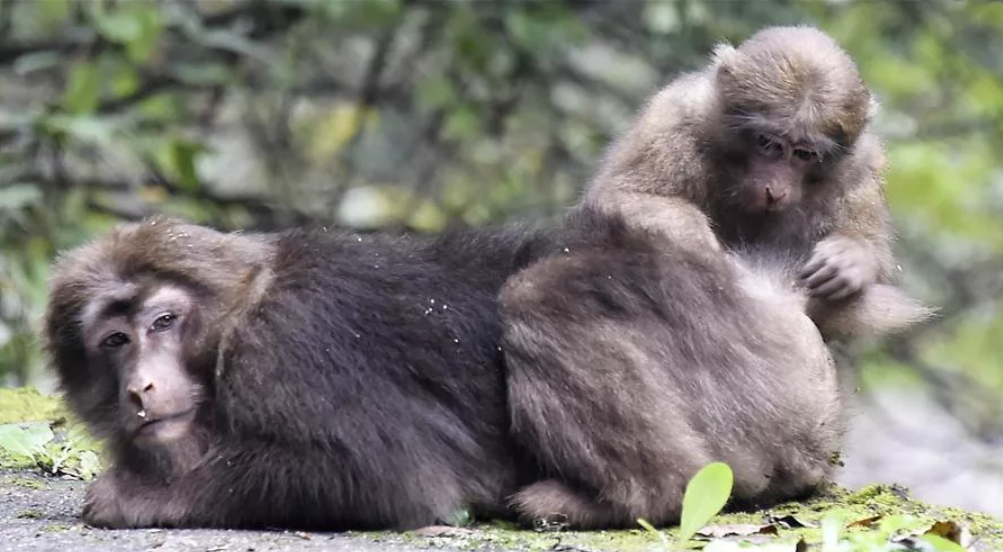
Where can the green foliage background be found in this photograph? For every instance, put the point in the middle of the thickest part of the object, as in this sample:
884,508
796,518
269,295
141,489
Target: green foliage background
410,115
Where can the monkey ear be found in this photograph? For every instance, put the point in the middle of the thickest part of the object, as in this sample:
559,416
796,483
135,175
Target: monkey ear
725,55
724,62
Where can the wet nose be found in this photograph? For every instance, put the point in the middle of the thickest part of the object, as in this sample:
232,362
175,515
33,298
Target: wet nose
773,197
137,391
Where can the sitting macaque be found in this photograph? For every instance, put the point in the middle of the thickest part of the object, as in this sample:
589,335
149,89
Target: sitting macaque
634,360
738,226
771,142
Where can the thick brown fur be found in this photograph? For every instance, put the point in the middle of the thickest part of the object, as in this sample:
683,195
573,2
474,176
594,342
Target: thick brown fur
733,229
633,362
771,142
304,379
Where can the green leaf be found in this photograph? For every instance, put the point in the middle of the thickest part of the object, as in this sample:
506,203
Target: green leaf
18,196
90,465
25,440
832,528
705,496
36,61
941,544
83,90
83,128
651,529
435,93
183,154
143,47
135,25
125,82
461,123
120,27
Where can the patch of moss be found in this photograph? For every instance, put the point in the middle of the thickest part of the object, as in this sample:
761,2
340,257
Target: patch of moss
9,462
868,502
30,514
25,482
56,528
26,404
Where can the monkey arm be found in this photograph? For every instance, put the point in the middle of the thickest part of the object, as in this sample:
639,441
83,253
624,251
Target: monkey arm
673,218
234,486
869,220
857,252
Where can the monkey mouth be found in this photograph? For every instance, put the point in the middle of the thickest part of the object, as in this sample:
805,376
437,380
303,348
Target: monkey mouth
767,210
152,427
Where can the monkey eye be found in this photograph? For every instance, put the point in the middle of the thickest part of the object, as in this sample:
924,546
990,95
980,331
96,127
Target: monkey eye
115,340
163,322
767,145
807,155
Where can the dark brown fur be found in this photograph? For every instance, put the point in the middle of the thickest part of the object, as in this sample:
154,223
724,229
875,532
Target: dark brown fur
301,379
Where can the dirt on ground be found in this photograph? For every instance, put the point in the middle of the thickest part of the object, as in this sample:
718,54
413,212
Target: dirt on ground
43,514
39,513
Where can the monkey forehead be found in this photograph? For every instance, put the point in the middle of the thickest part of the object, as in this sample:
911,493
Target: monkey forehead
798,76
131,298
160,249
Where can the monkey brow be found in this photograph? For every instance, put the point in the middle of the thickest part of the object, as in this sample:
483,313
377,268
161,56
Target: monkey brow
745,121
117,303
120,305
120,302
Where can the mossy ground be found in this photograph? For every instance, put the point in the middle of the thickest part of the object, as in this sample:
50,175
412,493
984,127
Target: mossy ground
25,404
866,503
21,405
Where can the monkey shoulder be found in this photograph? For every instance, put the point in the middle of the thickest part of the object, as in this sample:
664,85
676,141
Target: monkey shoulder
381,306
686,101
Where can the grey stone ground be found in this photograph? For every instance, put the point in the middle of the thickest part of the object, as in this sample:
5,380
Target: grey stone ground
41,514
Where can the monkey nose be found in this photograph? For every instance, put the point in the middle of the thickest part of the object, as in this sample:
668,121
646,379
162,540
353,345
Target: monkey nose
773,197
137,392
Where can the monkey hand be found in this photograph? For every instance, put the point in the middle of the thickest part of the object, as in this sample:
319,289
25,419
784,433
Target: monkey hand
102,507
113,503
839,267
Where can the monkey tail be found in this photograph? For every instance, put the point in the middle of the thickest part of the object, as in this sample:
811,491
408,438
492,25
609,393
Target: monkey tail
879,310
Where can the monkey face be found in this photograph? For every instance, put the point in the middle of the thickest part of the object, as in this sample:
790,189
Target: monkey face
775,172
138,340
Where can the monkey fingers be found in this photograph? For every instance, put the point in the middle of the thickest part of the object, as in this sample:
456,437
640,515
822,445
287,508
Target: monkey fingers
840,267
117,501
102,507
839,287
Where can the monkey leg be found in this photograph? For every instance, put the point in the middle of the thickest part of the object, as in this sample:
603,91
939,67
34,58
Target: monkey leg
551,501
589,397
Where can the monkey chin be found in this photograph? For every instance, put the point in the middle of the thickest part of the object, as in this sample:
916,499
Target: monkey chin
165,429
762,210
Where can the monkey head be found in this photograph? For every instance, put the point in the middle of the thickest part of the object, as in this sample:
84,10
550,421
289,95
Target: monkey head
134,322
138,337
793,104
